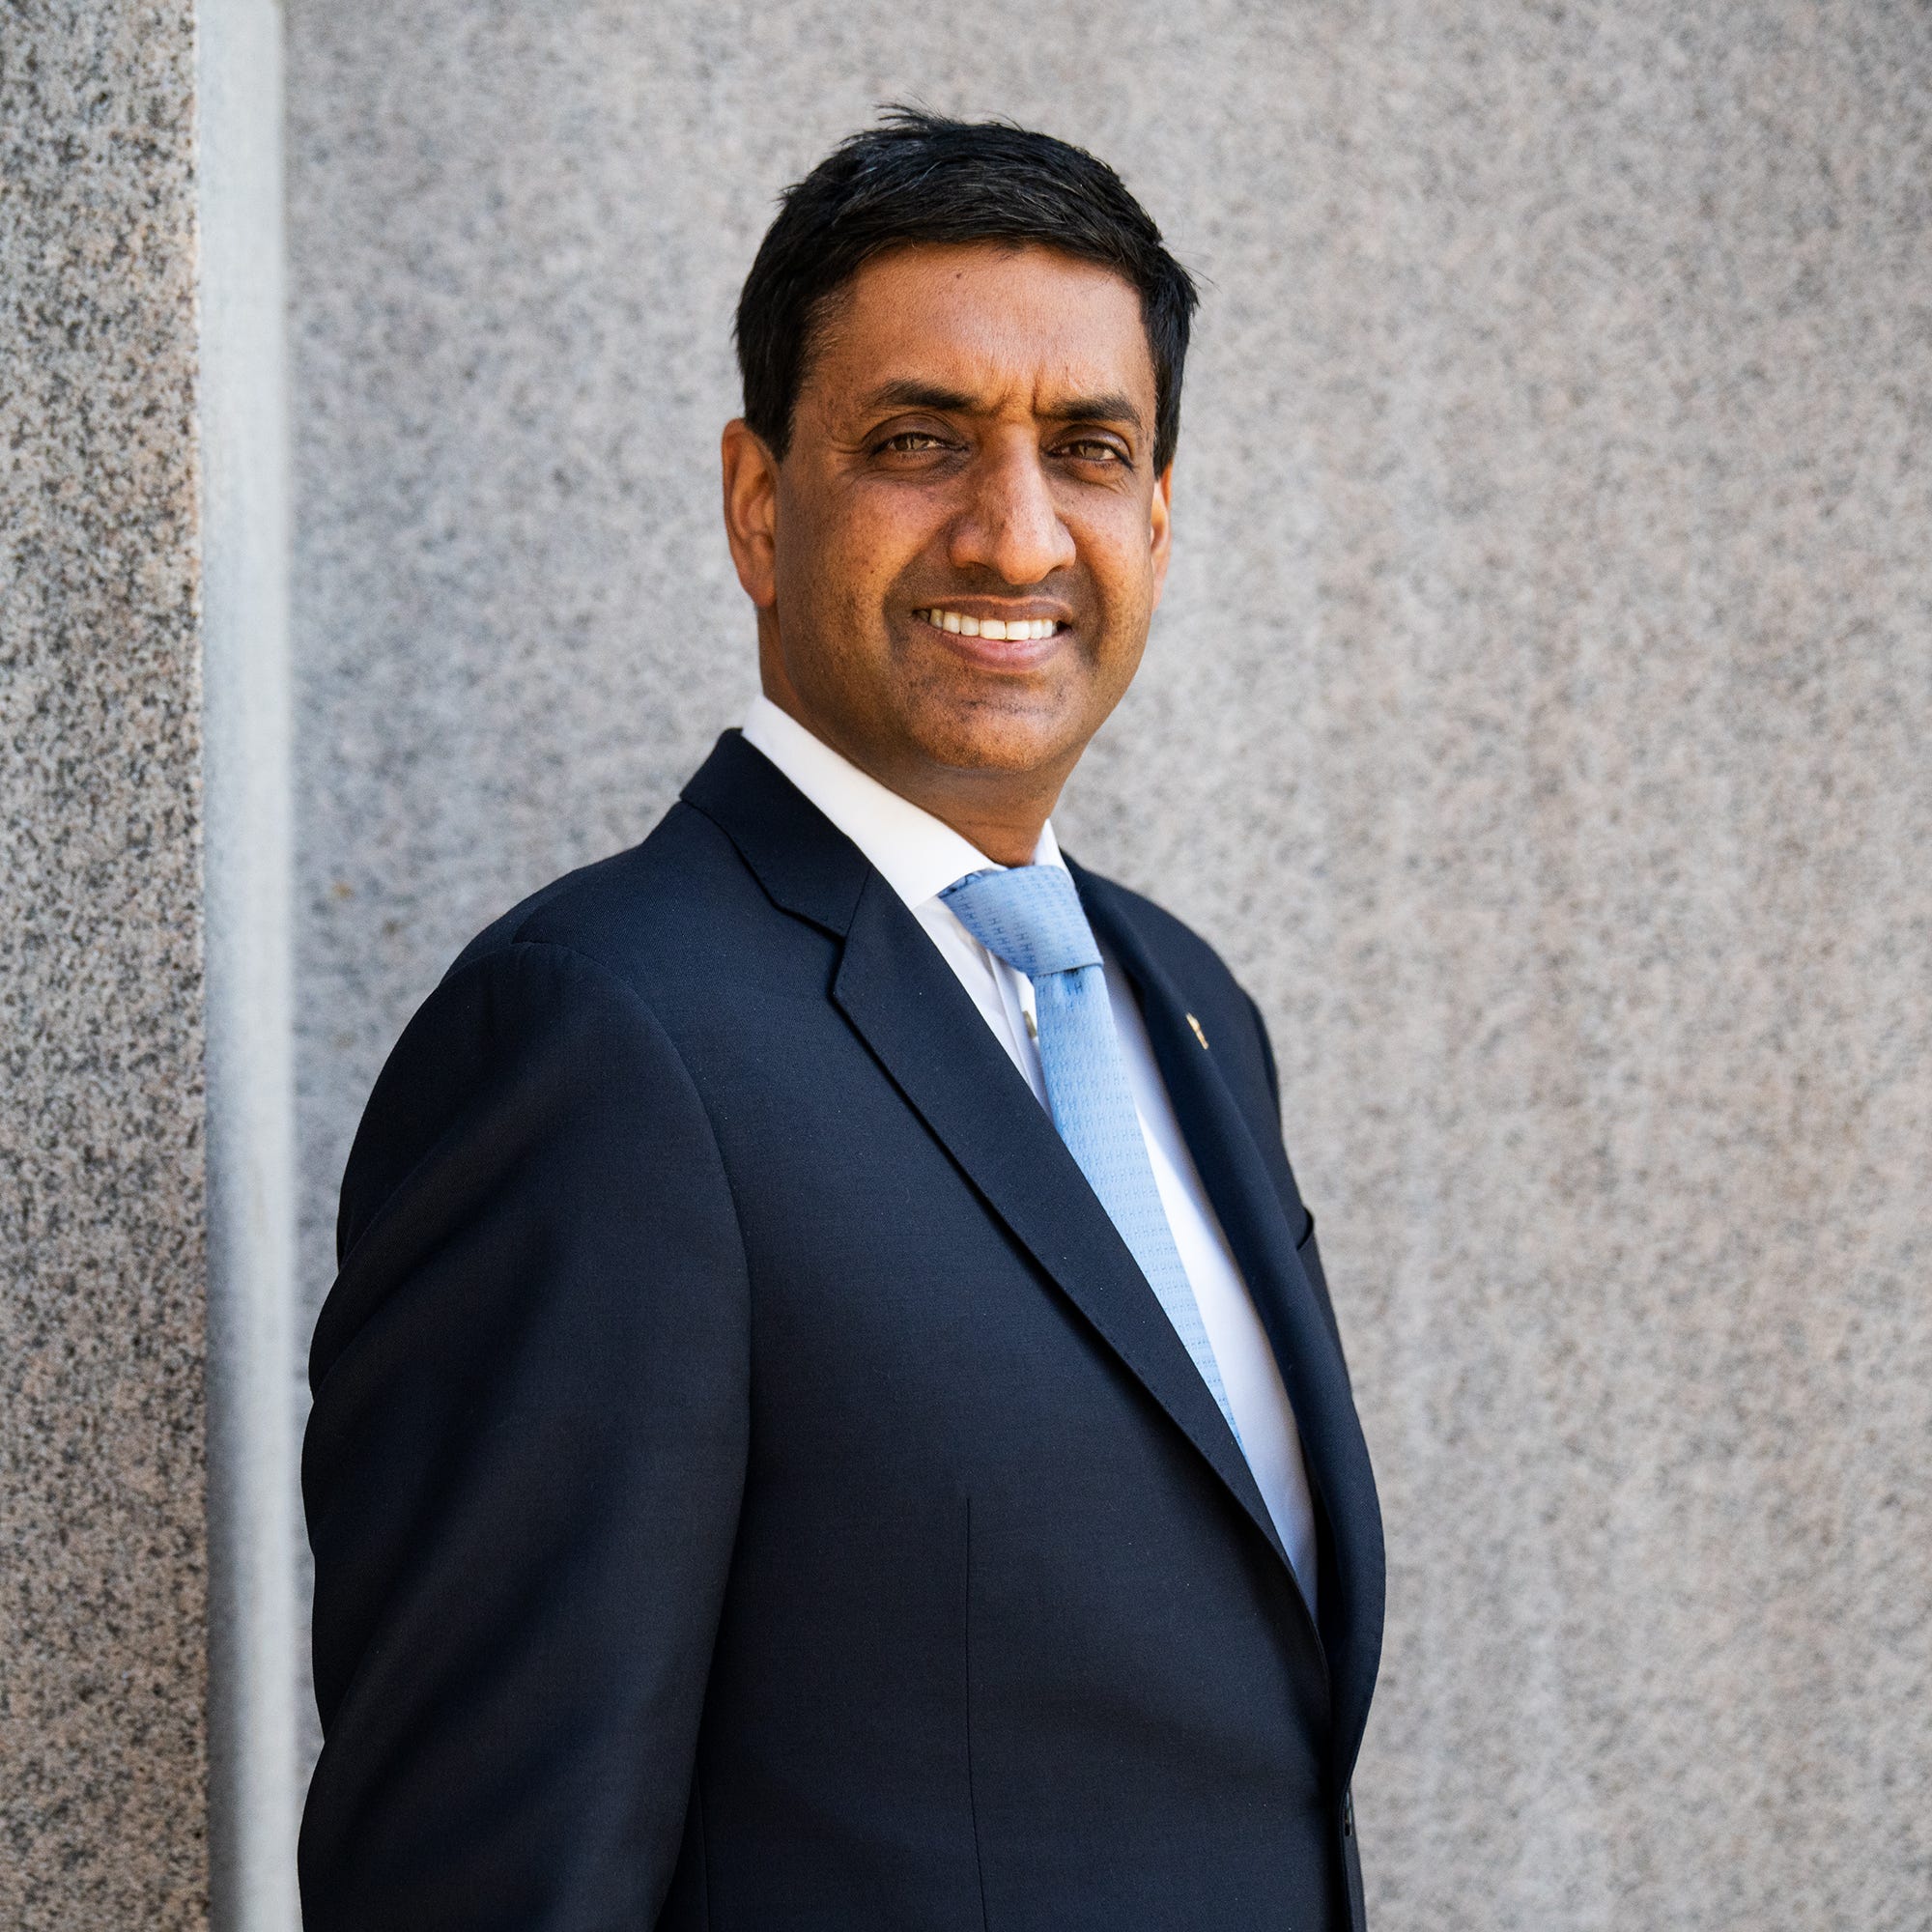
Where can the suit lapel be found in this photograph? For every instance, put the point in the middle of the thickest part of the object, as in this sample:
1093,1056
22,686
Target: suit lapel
1250,1210
913,1015
905,1003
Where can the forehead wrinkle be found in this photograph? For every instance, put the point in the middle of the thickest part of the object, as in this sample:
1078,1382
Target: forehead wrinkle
1035,360
1027,369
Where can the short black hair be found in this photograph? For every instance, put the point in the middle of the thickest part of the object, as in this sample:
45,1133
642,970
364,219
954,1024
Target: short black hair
919,176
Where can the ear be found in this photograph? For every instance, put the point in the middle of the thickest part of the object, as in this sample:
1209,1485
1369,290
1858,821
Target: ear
752,511
1160,527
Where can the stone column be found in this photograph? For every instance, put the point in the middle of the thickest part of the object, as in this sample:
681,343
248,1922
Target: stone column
104,1581
145,1764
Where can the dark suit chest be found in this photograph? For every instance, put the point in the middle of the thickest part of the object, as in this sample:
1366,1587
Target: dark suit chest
913,1222
902,1335
959,1490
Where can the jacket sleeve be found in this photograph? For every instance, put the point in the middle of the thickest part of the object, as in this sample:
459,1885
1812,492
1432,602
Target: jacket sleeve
523,1467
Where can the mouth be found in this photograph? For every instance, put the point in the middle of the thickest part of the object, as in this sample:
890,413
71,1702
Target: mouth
994,630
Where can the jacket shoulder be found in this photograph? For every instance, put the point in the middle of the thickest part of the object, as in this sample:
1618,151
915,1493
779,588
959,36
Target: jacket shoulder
635,907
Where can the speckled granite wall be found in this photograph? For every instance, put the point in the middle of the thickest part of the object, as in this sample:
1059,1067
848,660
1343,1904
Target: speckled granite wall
1537,719
102,1578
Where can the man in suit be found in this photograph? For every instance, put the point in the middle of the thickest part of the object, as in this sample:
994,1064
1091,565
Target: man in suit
829,1416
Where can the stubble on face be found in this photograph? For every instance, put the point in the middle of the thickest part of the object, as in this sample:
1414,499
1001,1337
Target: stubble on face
972,447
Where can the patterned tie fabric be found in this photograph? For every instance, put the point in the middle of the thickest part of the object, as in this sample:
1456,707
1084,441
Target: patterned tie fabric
1030,916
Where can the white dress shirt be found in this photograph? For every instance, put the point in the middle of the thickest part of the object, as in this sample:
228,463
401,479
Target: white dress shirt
918,857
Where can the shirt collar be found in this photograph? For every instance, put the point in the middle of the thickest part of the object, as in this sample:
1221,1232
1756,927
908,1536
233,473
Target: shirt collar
917,855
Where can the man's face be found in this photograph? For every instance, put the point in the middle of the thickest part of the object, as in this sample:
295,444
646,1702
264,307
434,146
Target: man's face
972,451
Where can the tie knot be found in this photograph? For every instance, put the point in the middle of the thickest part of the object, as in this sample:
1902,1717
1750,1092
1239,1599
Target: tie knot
1030,916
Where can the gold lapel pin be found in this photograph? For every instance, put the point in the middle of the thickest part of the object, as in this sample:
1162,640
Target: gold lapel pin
1198,1034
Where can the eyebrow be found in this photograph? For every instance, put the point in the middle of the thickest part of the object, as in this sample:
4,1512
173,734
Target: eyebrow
1107,407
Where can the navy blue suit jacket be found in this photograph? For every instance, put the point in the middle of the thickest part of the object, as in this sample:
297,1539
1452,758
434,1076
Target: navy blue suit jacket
752,1485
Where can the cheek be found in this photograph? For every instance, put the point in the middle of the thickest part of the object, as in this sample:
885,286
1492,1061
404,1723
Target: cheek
878,532
1120,560
827,589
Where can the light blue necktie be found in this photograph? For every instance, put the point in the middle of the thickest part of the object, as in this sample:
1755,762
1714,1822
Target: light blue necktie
1030,916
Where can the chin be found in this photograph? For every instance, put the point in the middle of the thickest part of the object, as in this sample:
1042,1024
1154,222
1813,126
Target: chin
973,740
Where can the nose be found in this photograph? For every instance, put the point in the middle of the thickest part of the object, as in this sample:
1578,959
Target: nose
1010,523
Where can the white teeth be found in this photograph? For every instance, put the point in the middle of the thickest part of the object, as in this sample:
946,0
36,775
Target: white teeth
1010,628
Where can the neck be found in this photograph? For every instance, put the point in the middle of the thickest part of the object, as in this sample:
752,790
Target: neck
1001,813
1006,831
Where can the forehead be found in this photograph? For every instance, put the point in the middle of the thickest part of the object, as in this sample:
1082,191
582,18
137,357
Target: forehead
1008,325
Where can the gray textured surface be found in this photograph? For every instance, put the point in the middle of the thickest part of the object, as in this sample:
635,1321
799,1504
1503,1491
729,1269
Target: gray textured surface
103,1575
1536,718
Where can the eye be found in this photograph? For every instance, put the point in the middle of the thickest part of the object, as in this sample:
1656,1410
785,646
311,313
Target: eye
911,442
1094,450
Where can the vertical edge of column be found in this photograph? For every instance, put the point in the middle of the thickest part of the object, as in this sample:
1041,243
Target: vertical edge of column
247,730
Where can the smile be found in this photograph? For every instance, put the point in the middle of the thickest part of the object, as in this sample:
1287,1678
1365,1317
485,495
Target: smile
1015,628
